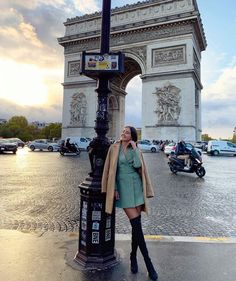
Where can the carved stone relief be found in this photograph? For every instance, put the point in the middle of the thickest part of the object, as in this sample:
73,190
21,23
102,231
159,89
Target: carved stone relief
78,110
167,56
73,68
140,52
131,37
168,104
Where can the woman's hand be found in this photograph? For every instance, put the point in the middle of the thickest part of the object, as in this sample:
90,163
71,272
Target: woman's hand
117,195
134,146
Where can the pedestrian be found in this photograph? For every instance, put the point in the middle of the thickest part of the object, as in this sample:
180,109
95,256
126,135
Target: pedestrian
125,180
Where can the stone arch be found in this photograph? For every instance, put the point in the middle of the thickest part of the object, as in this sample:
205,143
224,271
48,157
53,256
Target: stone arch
162,42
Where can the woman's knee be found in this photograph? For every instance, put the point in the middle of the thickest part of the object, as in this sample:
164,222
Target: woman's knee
132,212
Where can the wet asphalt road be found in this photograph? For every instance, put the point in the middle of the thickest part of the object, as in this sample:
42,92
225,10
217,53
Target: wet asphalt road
39,191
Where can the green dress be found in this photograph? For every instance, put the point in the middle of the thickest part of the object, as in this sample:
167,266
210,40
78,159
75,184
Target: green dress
128,180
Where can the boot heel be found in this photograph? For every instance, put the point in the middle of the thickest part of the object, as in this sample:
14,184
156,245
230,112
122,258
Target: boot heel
133,264
153,275
151,271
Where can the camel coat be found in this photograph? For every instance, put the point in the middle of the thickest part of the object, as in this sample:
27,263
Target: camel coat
109,178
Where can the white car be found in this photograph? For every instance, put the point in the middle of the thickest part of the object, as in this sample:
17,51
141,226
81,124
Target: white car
146,145
169,148
43,144
82,142
219,147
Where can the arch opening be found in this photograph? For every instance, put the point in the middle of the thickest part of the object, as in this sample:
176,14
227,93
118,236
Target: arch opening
123,108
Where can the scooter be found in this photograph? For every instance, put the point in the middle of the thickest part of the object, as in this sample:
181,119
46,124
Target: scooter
74,150
177,165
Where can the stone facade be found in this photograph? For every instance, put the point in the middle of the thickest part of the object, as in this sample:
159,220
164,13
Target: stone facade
162,42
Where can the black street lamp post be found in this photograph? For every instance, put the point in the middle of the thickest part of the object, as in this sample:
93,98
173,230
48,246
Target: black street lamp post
97,228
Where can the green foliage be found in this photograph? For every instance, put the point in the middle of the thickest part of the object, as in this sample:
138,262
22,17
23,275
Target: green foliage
18,127
52,131
234,139
206,137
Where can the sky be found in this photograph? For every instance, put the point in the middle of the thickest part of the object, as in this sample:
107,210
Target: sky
32,61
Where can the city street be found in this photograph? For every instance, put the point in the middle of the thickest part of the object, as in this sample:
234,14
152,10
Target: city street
39,191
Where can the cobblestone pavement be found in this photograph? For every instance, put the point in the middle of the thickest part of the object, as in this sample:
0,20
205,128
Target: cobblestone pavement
39,191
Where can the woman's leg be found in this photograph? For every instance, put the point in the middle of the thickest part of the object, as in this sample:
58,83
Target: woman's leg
138,237
133,213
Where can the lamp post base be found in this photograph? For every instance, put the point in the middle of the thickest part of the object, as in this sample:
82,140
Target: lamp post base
96,263
97,228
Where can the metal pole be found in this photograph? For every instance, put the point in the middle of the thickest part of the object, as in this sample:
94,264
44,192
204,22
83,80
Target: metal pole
97,229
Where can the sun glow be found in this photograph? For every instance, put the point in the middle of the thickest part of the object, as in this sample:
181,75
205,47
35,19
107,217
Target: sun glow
22,84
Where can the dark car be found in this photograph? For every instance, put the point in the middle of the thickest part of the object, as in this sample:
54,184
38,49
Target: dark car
19,142
6,146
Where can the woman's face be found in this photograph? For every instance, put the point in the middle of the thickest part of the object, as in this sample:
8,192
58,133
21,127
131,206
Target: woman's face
126,134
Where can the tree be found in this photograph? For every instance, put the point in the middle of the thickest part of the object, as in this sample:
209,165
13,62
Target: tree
18,127
19,121
234,138
206,137
52,131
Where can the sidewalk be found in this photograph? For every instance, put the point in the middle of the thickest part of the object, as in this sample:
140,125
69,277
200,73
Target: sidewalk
37,256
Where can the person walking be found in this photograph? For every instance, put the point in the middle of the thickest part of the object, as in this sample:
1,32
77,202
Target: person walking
125,179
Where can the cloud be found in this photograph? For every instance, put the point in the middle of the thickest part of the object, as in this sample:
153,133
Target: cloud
133,102
218,105
52,113
32,4
87,6
20,41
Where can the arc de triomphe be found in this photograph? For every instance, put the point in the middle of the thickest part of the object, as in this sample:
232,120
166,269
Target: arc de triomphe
162,42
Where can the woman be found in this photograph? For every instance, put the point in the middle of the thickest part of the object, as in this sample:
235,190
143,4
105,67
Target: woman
126,180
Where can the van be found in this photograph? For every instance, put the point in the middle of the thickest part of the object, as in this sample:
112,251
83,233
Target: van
221,147
82,142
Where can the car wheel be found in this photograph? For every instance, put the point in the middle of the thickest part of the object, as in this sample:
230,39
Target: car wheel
215,152
14,151
153,149
50,148
32,147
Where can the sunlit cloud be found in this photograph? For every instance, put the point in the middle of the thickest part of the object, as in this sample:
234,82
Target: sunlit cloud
20,42
26,88
33,4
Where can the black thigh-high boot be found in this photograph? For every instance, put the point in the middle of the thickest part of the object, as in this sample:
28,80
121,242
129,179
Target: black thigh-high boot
138,233
133,254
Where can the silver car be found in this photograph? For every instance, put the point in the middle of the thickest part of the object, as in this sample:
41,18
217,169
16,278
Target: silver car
43,144
146,145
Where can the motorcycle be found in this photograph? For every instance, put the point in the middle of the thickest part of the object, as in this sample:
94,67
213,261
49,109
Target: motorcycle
177,165
73,150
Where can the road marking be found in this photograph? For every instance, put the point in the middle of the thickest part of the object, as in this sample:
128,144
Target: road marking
162,238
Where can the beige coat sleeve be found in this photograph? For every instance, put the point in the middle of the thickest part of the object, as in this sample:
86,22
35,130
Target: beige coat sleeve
106,171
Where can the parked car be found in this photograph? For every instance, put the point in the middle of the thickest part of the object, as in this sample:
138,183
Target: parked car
218,147
82,142
201,144
19,142
6,146
191,146
169,148
43,144
146,145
